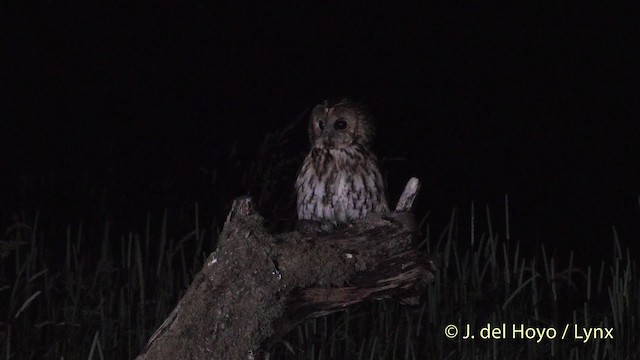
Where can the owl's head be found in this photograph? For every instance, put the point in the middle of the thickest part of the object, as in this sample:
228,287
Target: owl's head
340,125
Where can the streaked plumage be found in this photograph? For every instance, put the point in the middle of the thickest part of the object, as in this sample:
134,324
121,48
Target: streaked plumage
339,180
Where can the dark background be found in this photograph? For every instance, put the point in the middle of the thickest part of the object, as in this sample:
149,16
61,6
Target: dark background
131,109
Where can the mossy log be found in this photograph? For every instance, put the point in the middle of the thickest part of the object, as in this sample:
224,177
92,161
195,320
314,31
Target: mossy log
257,286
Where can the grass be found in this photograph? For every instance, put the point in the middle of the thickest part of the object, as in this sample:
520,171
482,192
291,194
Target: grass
101,298
103,294
489,284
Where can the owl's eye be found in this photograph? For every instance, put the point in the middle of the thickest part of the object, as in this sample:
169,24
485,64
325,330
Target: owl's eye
340,124
321,125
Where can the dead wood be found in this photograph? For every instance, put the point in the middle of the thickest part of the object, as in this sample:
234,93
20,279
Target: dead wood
257,286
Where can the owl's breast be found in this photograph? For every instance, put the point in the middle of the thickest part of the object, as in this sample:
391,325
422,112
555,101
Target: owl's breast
340,197
338,187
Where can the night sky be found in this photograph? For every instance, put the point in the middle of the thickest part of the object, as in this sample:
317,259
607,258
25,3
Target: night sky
143,102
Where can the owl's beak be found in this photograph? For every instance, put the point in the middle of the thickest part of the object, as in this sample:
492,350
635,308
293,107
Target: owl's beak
328,140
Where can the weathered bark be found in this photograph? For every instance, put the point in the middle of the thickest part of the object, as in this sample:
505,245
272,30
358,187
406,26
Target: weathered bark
257,286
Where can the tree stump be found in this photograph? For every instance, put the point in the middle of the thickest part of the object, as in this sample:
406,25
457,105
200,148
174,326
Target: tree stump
257,286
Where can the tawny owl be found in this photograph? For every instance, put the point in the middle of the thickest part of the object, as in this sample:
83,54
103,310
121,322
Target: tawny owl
339,180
